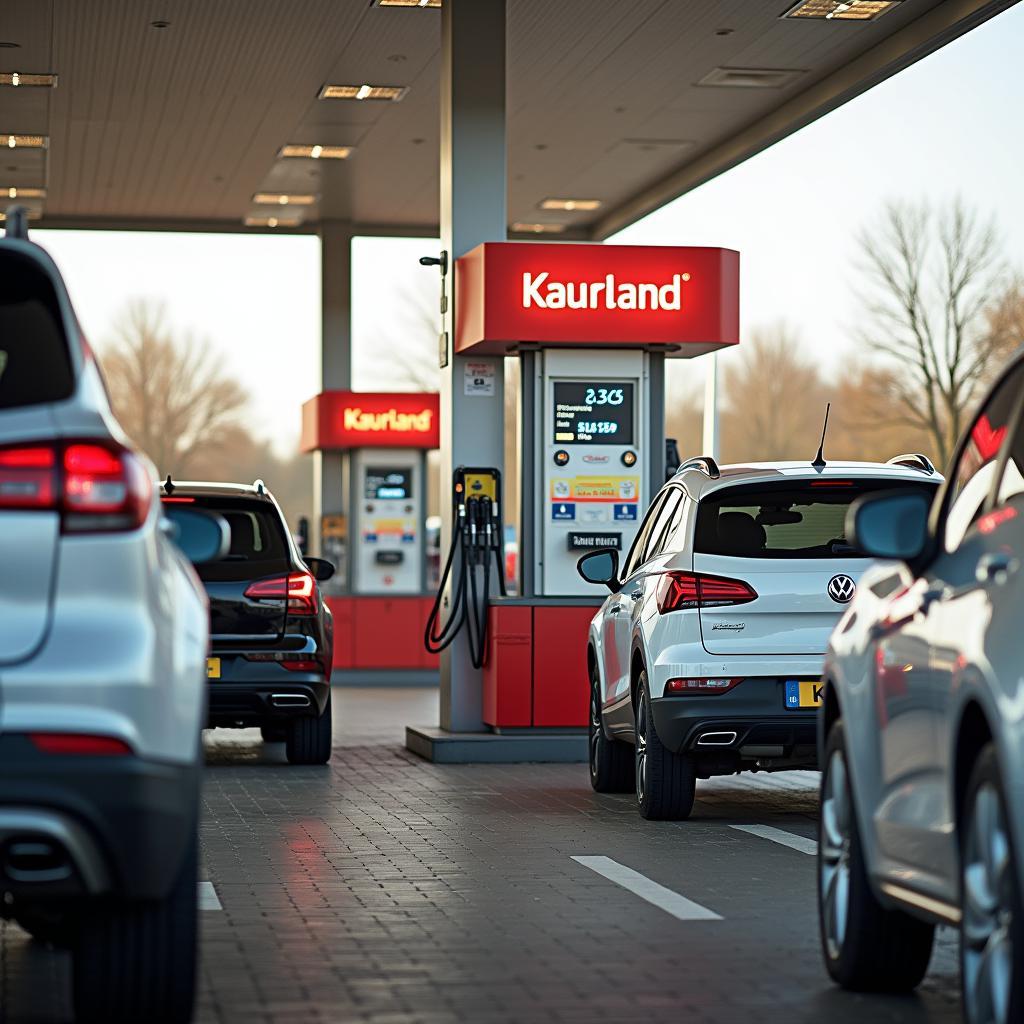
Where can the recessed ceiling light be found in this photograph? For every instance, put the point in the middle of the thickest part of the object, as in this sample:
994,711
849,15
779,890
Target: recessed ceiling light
408,3
750,78
315,152
24,141
28,80
363,92
570,204
538,229
25,193
284,199
842,10
272,222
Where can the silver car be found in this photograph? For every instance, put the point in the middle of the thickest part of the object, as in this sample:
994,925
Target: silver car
103,642
922,730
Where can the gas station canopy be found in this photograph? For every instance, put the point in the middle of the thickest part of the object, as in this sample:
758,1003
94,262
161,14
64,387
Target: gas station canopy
178,114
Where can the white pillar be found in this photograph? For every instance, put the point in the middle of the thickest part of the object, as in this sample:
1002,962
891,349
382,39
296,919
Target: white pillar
335,360
710,445
473,210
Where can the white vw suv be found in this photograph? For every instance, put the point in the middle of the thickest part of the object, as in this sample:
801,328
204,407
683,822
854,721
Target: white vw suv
706,657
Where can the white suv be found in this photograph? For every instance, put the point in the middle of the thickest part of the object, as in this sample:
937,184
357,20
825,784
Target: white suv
706,658
103,641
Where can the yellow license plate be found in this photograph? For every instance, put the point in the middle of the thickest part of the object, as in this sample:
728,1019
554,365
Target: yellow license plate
213,668
804,693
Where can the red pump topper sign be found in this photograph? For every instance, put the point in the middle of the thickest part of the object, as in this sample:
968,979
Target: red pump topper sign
682,297
353,419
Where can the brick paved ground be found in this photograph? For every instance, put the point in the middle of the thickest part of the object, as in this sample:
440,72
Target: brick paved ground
387,890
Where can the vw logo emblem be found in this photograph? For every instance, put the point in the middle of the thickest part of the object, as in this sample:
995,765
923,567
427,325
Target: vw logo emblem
841,588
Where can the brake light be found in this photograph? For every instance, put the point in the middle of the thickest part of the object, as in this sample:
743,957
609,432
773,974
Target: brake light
28,477
680,590
76,743
702,686
177,501
97,486
292,662
299,588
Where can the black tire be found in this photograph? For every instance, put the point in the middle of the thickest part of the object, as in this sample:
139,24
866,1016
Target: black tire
136,961
273,733
985,999
877,950
48,926
309,738
611,761
665,782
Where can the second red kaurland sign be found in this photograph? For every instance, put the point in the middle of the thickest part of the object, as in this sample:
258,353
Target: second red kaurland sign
682,297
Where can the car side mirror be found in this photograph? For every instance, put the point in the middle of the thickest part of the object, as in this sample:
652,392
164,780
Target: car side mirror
892,524
202,536
321,569
600,566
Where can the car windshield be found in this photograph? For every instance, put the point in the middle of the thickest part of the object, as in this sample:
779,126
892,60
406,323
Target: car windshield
802,519
258,543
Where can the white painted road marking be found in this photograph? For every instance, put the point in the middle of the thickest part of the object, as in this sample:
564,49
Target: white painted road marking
777,835
640,885
208,898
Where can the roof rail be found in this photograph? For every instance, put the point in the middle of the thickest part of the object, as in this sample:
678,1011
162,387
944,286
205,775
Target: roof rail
705,463
913,460
261,487
16,222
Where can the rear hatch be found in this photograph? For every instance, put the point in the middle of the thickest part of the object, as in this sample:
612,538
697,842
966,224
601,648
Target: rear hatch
36,371
259,551
788,542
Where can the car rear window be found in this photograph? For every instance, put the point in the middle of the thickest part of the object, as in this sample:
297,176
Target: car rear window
35,366
803,519
258,543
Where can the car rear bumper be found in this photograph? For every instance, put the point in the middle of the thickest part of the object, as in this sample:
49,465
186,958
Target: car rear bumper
749,726
75,825
244,704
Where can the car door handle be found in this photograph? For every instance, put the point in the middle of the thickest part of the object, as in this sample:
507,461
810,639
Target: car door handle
615,610
996,567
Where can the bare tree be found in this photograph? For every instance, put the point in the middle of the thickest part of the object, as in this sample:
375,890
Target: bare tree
930,276
1005,322
169,394
775,399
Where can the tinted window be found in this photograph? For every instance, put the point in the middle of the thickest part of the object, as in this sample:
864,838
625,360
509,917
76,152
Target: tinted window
636,551
661,529
975,469
35,367
259,546
804,519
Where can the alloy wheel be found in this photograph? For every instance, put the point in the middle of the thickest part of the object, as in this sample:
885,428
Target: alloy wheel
987,886
834,855
595,729
641,747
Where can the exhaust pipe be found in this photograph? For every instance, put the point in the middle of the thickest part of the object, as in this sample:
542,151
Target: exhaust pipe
290,700
716,739
32,860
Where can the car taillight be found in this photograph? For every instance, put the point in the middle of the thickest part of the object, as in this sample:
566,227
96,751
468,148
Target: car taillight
96,486
702,686
292,662
28,477
679,590
77,743
299,588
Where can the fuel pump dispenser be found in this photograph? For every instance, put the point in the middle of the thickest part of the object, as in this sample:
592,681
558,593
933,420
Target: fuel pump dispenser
592,326
374,477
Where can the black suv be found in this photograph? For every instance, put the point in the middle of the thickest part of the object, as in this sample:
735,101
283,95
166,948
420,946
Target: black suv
272,635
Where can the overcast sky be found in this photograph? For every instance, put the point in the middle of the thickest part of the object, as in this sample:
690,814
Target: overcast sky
948,126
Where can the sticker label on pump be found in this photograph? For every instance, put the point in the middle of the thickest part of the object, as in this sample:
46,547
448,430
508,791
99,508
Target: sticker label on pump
562,511
625,513
597,488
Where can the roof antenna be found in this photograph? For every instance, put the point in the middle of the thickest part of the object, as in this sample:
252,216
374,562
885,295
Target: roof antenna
168,485
819,459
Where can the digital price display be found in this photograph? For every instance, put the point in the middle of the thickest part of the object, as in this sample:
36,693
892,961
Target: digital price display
384,482
593,413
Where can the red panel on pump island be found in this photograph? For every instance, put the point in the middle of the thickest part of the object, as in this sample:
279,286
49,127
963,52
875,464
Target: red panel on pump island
685,298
